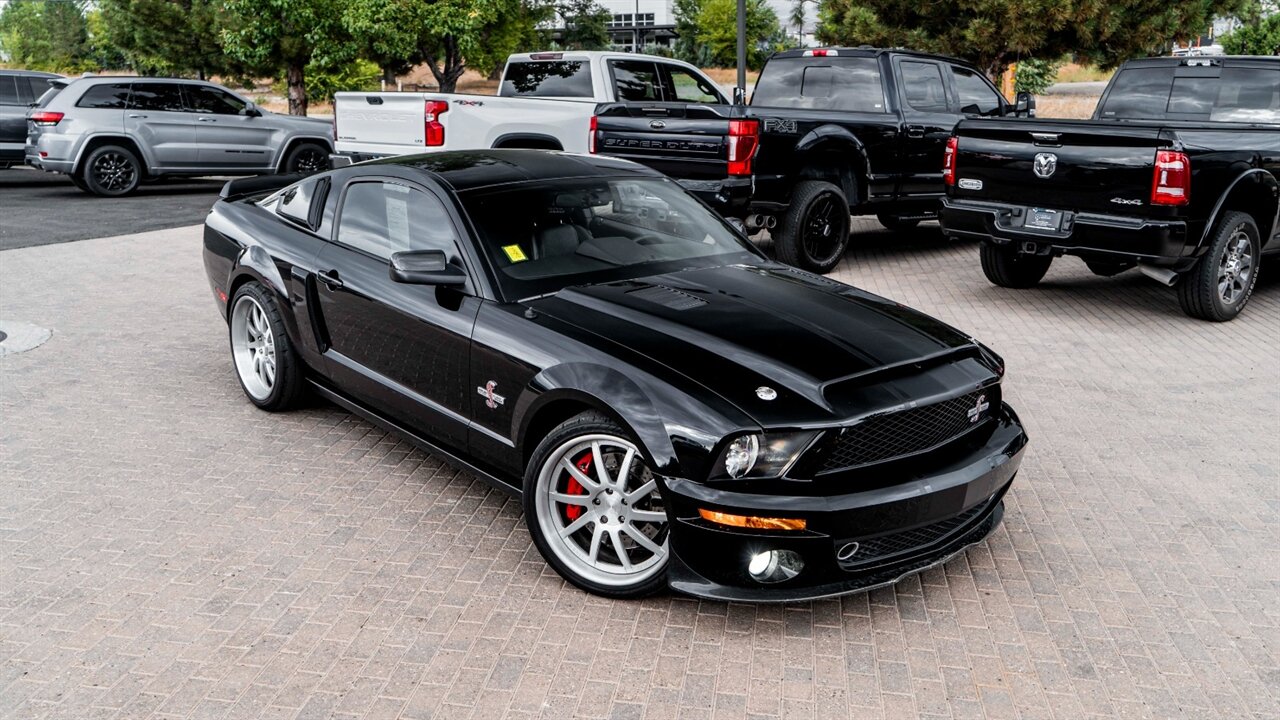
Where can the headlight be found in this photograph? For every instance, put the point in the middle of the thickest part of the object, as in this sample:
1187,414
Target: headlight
763,456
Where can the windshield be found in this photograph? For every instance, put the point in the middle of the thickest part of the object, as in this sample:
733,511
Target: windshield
549,235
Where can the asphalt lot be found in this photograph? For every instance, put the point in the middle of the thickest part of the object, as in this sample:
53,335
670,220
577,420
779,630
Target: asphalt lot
168,551
38,208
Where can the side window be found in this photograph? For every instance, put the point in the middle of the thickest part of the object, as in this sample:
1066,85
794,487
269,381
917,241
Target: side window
157,97
205,99
922,86
1139,93
9,90
688,87
39,86
298,203
112,96
384,218
976,96
634,80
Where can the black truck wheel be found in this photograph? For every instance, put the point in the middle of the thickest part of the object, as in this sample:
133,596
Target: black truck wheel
1006,267
1219,285
897,223
814,232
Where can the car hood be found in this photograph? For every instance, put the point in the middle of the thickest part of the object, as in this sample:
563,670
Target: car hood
734,329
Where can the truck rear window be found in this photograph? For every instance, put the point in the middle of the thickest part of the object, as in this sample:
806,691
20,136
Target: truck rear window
1237,94
549,78
821,84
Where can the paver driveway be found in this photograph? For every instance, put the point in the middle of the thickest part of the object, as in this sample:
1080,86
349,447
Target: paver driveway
166,550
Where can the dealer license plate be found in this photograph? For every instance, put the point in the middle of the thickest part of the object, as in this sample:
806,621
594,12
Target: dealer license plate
1041,219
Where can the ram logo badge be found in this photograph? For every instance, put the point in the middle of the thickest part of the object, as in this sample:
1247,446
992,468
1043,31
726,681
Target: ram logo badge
1045,164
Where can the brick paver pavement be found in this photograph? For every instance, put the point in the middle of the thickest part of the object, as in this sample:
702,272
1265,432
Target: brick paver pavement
168,551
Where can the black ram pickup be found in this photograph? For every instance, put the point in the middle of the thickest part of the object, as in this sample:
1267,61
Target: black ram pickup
1178,174
827,130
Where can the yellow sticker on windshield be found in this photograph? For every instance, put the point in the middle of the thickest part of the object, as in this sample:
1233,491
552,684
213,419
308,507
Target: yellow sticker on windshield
514,253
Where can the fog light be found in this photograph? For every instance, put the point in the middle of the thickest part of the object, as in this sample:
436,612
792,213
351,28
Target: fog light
774,566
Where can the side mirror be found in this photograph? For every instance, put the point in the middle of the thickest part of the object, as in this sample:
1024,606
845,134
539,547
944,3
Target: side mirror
1024,105
425,267
251,110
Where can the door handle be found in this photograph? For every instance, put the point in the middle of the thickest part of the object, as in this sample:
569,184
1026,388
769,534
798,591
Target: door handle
915,131
205,119
330,279
138,116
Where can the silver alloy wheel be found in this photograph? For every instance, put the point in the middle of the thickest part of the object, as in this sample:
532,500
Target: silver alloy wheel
113,171
1235,270
253,347
600,511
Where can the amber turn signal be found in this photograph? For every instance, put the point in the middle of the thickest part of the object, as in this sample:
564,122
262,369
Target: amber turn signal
751,522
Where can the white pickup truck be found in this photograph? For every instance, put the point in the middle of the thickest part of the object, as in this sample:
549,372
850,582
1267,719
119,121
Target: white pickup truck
546,101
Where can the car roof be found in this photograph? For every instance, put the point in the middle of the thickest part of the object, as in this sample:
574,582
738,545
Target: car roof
585,55
869,51
1205,60
471,169
29,73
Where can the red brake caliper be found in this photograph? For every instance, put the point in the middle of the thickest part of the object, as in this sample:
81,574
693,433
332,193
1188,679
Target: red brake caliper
573,512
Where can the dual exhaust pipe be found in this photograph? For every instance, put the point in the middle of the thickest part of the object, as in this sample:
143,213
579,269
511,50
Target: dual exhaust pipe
760,221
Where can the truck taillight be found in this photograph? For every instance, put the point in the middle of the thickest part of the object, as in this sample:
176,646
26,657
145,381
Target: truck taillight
1171,180
949,160
46,119
434,130
744,138
591,139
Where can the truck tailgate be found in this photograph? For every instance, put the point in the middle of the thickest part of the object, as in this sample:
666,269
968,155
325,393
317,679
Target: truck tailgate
683,140
1081,166
388,123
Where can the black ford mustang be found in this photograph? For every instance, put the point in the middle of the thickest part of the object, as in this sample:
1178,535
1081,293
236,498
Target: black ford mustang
674,407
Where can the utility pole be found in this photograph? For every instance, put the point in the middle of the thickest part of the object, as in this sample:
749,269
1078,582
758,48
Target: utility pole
635,44
740,92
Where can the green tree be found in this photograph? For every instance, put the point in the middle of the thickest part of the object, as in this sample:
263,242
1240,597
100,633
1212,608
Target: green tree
995,33
516,31
444,33
686,15
718,31
40,35
586,25
1257,38
284,37
168,37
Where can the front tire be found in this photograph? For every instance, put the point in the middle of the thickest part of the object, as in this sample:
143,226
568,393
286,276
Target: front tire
307,159
595,510
1219,285
1008,268
111,171
814,233
265,361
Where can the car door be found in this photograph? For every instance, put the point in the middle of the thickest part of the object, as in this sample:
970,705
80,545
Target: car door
227,137
928,121
158,119
635,80
403,349
680,84
13,117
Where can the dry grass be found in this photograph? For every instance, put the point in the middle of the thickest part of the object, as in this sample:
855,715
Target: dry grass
728,77
1075,72
1074,107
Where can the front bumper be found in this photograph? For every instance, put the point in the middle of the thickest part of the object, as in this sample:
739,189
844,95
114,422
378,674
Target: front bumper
899,529
1093,236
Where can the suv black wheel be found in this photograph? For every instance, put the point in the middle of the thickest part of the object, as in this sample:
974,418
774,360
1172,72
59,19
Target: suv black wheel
896,223
307,159
269,369
595,511
1006,267
1219,285
814,233
111,171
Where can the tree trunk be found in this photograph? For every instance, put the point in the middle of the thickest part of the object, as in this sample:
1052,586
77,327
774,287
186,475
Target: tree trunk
389,75
446,68
297,88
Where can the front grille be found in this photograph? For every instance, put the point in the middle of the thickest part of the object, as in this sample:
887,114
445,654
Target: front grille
877,549
885,437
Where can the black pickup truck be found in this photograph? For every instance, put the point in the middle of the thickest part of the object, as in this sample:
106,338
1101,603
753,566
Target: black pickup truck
1178,174
828,130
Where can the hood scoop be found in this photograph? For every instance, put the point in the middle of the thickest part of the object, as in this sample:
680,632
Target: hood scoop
667,297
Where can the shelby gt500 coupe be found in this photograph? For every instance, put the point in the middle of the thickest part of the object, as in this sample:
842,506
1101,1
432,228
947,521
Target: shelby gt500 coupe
673,407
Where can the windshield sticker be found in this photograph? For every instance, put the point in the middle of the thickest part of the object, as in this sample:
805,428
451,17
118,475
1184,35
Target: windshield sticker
514,253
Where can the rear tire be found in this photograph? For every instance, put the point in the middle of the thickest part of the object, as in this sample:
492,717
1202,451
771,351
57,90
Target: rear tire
814,233
307,159
1219,285
1006,267
111,171
266,364
897,224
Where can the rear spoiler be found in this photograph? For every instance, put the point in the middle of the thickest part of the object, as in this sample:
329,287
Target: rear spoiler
257,185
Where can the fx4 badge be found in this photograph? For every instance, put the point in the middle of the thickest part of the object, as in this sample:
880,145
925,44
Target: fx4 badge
491,398
1044,165
785,127
975,412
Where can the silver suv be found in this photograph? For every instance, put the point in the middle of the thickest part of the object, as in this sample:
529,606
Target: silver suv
110,133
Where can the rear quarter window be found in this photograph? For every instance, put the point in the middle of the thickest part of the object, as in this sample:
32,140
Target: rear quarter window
1138,93
110,96
547,78
831,84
